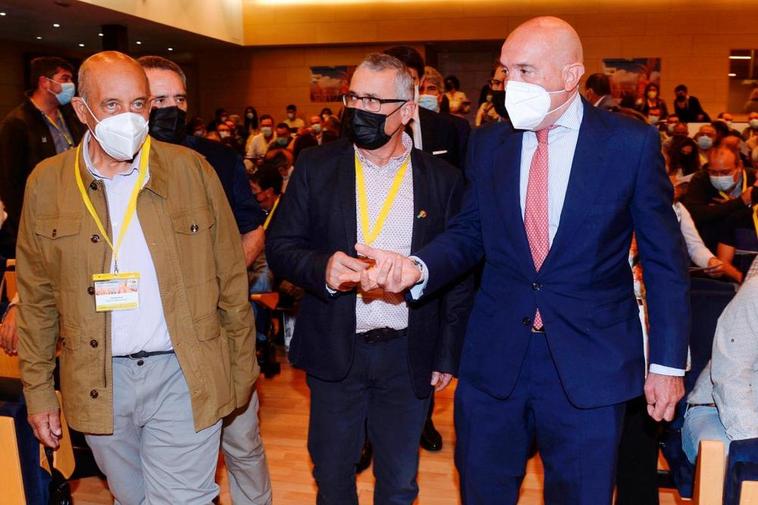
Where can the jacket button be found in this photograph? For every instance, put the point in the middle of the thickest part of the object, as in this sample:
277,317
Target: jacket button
95,238
55,232
536,286
194,228
527,321
93,343
91,290
93,186
93,394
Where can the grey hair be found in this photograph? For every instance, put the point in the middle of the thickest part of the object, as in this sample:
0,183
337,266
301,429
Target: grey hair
432,76
378,62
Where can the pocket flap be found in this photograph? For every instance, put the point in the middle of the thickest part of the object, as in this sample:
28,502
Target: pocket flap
57,227
192,221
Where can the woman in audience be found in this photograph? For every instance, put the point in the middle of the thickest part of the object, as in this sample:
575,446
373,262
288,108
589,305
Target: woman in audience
457,100
682,155
251,122
652,105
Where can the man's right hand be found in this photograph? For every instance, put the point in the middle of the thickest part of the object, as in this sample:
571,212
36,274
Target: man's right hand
343,272
394,273
47,428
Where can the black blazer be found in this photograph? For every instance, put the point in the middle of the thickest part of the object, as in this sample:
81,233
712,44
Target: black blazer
440,134
25,140
316,218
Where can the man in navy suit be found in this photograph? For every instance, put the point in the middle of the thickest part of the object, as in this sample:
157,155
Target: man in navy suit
554,347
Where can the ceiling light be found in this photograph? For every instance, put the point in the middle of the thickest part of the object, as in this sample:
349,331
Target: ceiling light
739,57
139,42
170,48
56,25
99,34
2,14
81,44
39,37
731,74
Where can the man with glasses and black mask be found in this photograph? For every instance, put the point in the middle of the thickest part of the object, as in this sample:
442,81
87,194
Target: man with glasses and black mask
244,457
368,356
130,263
42,126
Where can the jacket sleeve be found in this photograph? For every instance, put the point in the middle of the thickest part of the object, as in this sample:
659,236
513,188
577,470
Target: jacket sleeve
235,312
664,257
457,303
460,246
37,314
289,249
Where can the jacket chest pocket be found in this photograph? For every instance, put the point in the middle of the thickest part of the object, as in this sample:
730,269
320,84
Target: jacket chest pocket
194,235
59,243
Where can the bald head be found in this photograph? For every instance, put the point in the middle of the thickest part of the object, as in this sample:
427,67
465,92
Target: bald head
547,52
550,36
111,83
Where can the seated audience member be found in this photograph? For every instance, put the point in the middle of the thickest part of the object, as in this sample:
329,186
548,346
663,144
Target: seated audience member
652,105
257,144
706,137
316,127
688,108
293,122
723,405
458,102
196,127
492,110
751,132
250,127
303,141
682,155
326,113
282,137
719,193
597,91
283,159
220,116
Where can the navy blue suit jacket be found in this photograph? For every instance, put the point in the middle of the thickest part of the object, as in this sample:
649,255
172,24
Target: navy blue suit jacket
584,289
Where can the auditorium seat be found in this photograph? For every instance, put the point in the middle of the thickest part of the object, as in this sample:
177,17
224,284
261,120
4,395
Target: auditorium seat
742,466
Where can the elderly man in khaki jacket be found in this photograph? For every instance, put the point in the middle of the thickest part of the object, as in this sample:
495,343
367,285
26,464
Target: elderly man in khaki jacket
130,262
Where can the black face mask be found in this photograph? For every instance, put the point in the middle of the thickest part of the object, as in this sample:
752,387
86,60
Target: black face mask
366,129
168,124
498,100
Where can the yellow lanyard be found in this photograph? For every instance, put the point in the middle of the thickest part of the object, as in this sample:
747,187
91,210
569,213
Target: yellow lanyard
370,235
271,214
744,187
62,131
131,208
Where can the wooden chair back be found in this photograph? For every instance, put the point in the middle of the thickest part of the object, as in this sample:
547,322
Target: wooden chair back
11,482
709,473
749,493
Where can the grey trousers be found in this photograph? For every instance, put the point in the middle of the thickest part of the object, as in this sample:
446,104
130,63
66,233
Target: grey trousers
155,456
249,480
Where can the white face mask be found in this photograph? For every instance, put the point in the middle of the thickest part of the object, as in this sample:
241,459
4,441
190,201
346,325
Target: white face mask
528,104
122,135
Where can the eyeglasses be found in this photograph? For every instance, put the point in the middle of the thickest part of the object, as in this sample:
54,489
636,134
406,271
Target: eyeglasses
369,103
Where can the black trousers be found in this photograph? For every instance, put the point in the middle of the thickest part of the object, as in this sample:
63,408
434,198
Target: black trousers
377,392
637,470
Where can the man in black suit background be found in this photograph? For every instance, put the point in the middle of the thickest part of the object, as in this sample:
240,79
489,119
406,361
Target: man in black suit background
440,134
369,357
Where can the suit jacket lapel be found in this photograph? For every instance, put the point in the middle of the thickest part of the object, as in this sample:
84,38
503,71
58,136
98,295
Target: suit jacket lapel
506,174
585,180
421,200
346,197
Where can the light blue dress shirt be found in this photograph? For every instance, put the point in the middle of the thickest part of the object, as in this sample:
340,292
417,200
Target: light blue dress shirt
144,328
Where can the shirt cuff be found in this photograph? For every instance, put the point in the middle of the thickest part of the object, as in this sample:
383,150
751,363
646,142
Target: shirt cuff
417,291
666,370
330,290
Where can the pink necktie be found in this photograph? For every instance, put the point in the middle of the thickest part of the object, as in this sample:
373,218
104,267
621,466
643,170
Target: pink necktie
535,211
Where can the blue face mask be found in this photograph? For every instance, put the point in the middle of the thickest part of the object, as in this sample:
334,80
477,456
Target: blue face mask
282,141
429,102
705,142
723,182
68,90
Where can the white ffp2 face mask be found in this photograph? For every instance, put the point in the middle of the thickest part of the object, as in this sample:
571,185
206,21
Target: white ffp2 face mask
528,104
122,135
